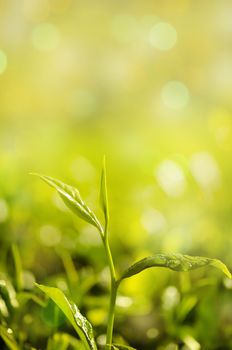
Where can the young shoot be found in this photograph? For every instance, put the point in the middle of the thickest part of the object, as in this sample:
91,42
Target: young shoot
177,262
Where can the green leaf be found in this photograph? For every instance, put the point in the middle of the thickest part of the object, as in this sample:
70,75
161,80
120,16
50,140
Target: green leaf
176,262
81,325
7,336
103,192
73,200
3,308
8,293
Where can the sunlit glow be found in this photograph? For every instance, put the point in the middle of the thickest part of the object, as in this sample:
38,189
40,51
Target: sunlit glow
145,25
191,343
227,283
4,211
28,280
124,27
59,6
62,284
81,103
123,301
175,95
45,37
170,297
96,316
36,10
88,236
152,333
82,169
220,125
153,221
163,36
3,61
27,319
171,178
101,339
147,22
3,308
50,235
175,240
205,170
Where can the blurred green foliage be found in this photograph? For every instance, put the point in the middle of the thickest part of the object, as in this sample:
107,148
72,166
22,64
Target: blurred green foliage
149,85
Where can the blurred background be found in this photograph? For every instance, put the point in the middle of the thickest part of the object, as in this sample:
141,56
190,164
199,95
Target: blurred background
148,84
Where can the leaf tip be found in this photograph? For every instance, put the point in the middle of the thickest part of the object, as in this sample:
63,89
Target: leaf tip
36,174
221,266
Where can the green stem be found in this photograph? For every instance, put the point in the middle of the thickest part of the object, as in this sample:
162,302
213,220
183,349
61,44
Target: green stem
110,325
110,260
113,288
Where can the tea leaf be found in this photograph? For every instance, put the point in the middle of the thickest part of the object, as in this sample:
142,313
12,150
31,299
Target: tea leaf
8,338
219,265
177,262
72,198
81,325
103,192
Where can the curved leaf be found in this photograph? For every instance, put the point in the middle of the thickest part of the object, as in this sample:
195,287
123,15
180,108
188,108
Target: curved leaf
103,192
8,293
81,325
72,198
176,262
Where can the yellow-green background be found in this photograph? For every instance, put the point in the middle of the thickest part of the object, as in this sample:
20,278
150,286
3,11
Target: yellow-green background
80,79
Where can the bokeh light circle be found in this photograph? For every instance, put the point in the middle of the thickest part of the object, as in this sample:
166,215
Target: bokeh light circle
175,95
163,36
45,37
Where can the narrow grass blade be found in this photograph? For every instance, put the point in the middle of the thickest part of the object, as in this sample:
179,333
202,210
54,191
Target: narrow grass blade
18,267
8,293
103,193
4,312
7,336
69,266
176,262
72,198
24,297
81,325
121,347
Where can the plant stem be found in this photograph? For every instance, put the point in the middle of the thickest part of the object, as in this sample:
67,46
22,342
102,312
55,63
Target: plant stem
110,325
113,288
109,260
